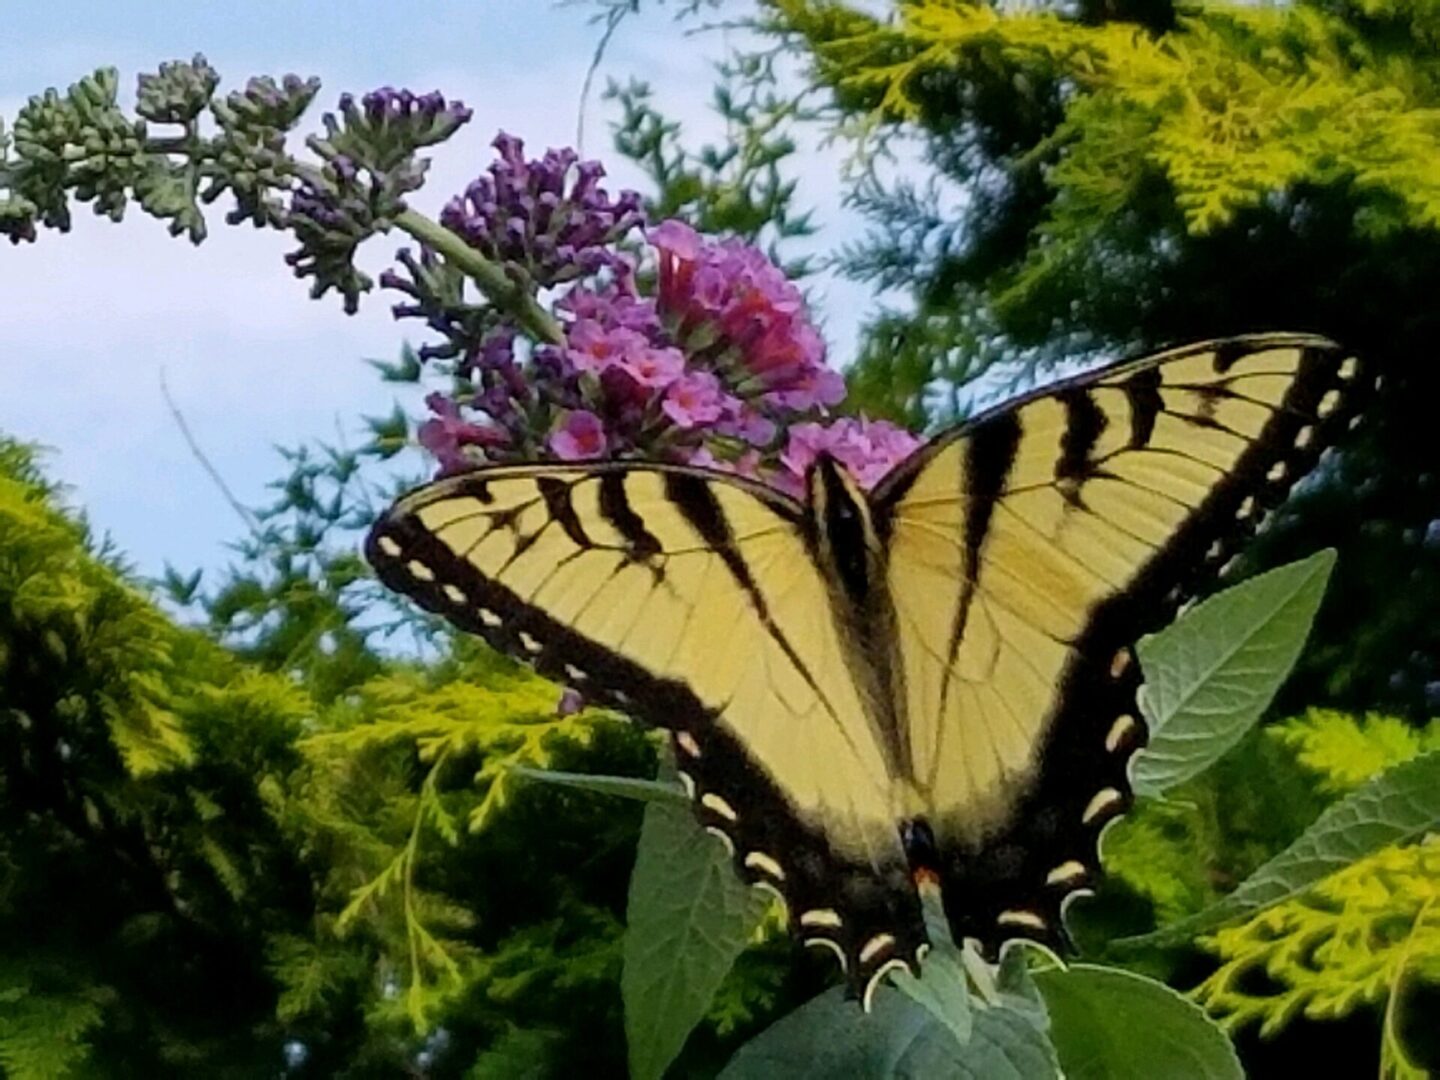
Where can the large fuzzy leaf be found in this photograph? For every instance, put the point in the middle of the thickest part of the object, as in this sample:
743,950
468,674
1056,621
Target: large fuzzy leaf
829,1038
1109,1024
689,916
1209,676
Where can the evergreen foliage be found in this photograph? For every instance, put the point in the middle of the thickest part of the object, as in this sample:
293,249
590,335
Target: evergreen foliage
1364,936
1354,940
322,849
1109,178
1345,751
142,873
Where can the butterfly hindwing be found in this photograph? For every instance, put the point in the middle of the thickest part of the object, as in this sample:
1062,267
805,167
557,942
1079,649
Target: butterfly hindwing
1029,549
690,600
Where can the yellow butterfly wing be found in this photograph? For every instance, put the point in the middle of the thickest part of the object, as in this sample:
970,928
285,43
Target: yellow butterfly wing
691,600
1029,549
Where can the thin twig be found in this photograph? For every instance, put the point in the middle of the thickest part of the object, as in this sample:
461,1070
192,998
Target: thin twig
613,19
235,504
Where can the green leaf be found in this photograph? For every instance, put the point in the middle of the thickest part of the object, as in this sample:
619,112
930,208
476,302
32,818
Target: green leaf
689,917
829,1038
1109,1024
1016,986
1397,806
941,991
1209,676
941,987
627,787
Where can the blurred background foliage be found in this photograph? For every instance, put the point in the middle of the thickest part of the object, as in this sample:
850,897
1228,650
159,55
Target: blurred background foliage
240,820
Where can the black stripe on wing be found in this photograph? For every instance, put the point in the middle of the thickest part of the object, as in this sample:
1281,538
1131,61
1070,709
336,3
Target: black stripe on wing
868,916
990,453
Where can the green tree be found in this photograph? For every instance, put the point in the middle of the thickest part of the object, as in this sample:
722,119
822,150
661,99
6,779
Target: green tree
142,873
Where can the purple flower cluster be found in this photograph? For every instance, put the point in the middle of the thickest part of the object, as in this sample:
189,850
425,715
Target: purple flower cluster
370,168
392,124
721,368
549,217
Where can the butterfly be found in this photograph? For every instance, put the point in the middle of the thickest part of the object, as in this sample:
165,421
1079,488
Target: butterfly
930,682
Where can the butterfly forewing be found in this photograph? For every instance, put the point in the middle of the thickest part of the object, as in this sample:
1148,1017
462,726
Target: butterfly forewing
1029,549
691,601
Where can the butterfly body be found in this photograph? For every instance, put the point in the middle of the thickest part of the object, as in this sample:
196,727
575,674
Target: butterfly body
851,557
933,677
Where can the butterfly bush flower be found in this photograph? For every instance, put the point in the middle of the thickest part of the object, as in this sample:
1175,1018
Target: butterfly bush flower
731,295
867,448
549,218
580,436
719,367
447,434
695,400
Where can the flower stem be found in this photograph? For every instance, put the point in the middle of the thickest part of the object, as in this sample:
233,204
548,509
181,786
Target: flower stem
493,282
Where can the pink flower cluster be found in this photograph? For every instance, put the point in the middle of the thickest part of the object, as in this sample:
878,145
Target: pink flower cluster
721,368
730,299
867,448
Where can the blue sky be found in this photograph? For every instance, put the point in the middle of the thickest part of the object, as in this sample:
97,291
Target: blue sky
89,321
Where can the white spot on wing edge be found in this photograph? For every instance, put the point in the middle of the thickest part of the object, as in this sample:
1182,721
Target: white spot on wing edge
868,999
714,802
1348,368
1122,727
758,860
488,617
1329,403
1104,799
530,643
875,946
454,594
687,743
388,546
1018,917
575,673
420,571
1068,871
820,917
